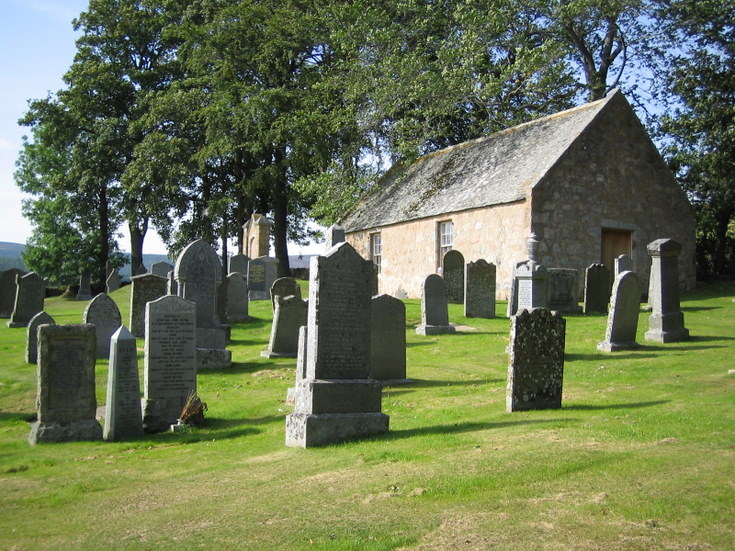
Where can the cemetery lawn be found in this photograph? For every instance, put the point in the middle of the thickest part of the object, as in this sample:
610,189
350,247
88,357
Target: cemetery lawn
641,456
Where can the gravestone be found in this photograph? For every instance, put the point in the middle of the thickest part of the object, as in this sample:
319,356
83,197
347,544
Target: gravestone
7,290
336,400
142,270
66,400
453,274
103,313
434,309
387,339
563,291
85,287
622,320
238,263
172,287
237,298
161,268
596,288
290,314
144,289
531,280
334,236
261,275
170,362
479,289
123,415
666,322
30,292
623,263
284,287
113,281
42,318
300,365
536,367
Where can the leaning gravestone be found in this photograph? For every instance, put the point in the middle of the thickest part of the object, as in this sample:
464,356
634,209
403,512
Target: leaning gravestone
123,415
622,320
7,290
238,263
666,323
85,287
284,287
536,367
596,288
563,291
261,275
161,268
334,236
144,289
66,400
29,296
237,298
434,309
42,318
387,339
103,313
170,362
453,274
336,400
479,289
290,314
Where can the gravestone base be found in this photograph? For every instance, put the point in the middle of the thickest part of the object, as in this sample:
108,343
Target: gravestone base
338,396
157,414
667,328
258,295
305,430
268,354
608,346
89,429
214,358
16,324
434,329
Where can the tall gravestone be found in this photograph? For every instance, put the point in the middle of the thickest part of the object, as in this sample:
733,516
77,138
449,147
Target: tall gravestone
563,290
434,308
123,415
103,313
336,400
144,289
479,289
531,280
536,367
261,275
387,339
42,318
85,287
284,287
198,272
622,320
596,288
666,322
7,290
453,274
334,236
30,292
238,263
170,362
161,268
290,314
237,298
66,401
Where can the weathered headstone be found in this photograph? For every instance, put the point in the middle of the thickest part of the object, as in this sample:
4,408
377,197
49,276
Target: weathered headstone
170,364
596,288
7,290
103,313
479,289
85,287
622,320
237,298
161,268
300,365
623,263
290,314
336,400
666,323
30,292
284,287
453,274
42,318
261,275
143,289
113,281
334,236
563,291
531,280
536,367
66,400
238,263
387,338
123,415
434,309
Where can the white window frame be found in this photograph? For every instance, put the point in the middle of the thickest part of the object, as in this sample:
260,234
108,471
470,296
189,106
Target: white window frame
444,239
376,249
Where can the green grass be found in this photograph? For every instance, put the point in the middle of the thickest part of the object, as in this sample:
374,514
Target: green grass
641,455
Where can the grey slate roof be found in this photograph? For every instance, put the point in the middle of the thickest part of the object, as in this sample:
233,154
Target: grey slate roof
501,168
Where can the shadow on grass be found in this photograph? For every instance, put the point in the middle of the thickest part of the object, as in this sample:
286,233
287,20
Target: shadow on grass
467,427
408,388
243,368
700,308
27,416
589,407
607,356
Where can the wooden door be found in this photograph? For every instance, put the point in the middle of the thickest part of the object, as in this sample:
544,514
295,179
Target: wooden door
615,243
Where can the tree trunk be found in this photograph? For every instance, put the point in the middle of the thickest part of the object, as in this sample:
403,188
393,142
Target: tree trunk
105,236
137,235
280,218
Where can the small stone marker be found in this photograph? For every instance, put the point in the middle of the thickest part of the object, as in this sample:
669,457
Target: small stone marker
666,323
334,236
434,309
622,320
290,314
623,263
30,292
536,367
479,289
238,263
261,275
42,318
563,290
144,289
596,288
284,287
237,298
85,287
66,400
170,364
103,313
453,274
336,401
161,268
123,415
7,290
387,339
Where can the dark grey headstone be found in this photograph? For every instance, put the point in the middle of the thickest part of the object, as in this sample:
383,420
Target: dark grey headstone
622,320
7,290
290,314
262,272
42,318
479,289
623,263
387,338
85,287
113,281
103,313
144,289
161,268
563,291
238,263
30,292
123,415
453,274
334,236
237,298
434,309
284,287
666,323
596,288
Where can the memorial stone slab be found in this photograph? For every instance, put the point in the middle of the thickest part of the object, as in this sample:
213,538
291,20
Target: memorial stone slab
596,288
284,287
434,308
531,281
30,292
563,290
536,367
103,313
666,322
290,314
123,415
387,339
66,400
8,290
144,289
85,287
237,298
262,272
622,320
334,236
479,289
113,281
161,268
238,263
42,318
453,274
170,361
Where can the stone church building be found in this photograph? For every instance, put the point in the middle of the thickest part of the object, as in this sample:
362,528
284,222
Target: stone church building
587,181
